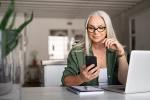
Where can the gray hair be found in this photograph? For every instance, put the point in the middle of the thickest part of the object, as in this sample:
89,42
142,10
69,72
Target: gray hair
109,28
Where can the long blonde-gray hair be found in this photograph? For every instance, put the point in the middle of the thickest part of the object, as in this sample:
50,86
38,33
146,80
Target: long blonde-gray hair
109,29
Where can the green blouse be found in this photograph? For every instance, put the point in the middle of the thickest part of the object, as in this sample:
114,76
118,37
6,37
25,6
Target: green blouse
76,59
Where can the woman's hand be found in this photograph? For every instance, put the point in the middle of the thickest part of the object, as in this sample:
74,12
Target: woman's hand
115,45
89,73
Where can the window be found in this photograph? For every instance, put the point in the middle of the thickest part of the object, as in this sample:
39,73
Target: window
58,44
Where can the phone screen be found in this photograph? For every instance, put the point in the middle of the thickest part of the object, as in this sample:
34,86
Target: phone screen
91,60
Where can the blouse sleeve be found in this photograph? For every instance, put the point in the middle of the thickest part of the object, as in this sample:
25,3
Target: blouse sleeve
72,66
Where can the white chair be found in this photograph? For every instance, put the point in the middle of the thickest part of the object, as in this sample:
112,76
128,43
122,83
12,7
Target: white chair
53,72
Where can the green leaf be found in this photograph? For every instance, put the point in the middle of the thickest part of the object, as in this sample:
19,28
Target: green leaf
12,22
9,41
10,37
3,43
12,46
7,15
24,24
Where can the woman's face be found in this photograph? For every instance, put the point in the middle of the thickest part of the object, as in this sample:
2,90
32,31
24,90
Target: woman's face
96,29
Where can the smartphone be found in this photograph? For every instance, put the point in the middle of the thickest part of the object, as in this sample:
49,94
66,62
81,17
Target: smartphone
91,60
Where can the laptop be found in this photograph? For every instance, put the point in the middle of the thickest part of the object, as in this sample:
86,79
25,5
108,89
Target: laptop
138,79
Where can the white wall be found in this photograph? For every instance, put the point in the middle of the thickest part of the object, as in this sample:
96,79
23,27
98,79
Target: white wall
38,32
121,24
142,30
121,28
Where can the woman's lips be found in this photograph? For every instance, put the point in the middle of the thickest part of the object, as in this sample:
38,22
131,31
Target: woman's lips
96,37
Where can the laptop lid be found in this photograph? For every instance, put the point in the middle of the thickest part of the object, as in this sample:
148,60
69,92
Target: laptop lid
138,79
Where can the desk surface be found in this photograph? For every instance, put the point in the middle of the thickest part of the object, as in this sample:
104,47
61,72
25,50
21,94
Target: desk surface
60,93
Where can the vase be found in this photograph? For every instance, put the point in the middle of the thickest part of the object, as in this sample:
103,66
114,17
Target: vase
9,69
5,75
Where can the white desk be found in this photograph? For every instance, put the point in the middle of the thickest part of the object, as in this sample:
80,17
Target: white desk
60,93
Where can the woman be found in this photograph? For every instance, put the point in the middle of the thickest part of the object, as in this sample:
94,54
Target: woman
100,41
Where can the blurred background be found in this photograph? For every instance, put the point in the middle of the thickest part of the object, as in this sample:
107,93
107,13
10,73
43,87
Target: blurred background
59,24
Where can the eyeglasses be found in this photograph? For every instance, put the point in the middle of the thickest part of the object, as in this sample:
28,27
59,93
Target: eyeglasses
93,29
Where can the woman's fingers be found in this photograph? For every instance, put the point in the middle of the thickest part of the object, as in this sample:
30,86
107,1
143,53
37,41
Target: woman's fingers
90,67
95,74
93,70
89,73
110,43
113,44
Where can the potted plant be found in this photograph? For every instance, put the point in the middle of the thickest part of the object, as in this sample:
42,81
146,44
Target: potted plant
9,39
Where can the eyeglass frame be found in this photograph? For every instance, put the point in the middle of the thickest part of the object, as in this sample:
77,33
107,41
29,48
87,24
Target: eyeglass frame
96,29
